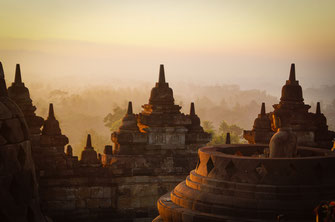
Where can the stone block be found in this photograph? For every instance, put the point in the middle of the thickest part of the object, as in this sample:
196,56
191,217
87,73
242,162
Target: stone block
80,203
124,202
92,203
83,193
105,203
148,201
58,193
107,192
141,190
124,190
61,205
76,181
97,192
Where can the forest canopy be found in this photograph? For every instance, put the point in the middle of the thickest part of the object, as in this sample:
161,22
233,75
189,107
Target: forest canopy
98,110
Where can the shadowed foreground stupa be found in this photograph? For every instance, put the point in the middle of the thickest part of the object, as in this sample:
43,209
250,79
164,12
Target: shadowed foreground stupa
311,128
19,198
242,183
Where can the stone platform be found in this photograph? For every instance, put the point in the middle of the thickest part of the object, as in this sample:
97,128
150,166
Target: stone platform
238,183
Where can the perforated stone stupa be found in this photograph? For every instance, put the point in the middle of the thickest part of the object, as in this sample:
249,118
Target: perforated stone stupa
239,183
19,198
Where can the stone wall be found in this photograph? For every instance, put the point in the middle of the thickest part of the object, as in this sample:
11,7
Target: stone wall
105,192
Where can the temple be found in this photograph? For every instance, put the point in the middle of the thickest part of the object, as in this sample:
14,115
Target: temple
311,128
153,151
161,127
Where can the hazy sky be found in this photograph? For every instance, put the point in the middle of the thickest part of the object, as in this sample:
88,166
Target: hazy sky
250,42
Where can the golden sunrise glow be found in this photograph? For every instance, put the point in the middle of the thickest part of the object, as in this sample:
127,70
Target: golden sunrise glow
189,24
195,38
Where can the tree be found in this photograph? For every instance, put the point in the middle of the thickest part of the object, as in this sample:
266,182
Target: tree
233,129
236,130
208,127
113,121
224,128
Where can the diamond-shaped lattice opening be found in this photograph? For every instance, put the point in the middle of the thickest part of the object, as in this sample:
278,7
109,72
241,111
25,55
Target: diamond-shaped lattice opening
261,170
198,163
210,165
230,168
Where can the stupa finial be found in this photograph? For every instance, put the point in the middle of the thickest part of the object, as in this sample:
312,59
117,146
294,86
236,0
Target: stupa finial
2,73
130,108
51,111
318,108
18,78
192,110
88,141
3,87
161,74
263,109
292,73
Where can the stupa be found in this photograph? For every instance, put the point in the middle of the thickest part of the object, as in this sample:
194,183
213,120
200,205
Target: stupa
19,198
89,155
311,128
240,183
19,93
51,132
279,179
161,130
